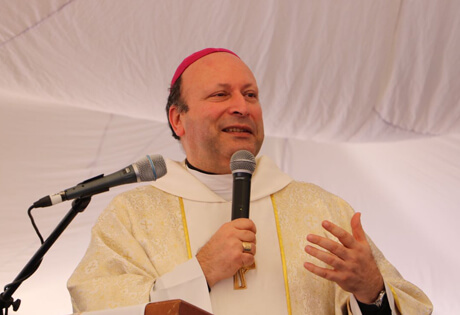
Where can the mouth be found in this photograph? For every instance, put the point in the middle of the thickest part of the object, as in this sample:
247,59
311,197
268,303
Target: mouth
237,130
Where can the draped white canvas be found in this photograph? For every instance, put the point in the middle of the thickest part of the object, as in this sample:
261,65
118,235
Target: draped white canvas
359,97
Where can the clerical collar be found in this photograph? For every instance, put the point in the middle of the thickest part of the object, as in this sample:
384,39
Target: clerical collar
190,166
220,184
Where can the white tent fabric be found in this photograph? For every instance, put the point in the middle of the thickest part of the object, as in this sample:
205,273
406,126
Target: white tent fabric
361,97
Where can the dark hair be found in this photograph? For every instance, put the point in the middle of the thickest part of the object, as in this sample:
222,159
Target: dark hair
175,99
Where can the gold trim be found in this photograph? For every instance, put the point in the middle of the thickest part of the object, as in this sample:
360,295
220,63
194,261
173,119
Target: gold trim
184,223
395,297
283,258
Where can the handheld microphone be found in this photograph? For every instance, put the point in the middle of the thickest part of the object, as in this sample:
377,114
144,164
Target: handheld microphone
242,164
149,168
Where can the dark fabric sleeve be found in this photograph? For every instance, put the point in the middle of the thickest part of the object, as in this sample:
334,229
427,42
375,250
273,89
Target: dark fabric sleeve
371,309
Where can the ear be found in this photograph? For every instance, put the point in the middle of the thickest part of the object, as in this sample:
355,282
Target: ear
175,119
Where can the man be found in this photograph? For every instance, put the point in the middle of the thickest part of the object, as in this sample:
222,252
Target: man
174,239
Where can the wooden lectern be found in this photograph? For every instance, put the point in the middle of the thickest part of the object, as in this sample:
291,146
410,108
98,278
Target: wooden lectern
173,307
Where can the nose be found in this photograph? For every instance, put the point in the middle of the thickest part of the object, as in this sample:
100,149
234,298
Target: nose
239,105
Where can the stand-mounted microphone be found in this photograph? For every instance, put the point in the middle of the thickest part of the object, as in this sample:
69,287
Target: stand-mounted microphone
149,168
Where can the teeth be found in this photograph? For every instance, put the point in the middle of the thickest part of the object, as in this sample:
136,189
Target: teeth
235,130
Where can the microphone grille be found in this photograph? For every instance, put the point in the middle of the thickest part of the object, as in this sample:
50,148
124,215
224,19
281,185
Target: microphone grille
150,167
243,161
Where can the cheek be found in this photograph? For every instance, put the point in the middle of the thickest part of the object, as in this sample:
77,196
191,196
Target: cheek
213,112
211,118
200,125
258,117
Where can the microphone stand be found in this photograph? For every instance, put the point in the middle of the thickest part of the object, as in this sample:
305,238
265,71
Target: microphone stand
6,299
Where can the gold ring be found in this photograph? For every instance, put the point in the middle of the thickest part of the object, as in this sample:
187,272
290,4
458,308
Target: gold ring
247,247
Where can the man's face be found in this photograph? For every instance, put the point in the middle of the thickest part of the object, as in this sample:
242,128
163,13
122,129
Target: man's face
224,113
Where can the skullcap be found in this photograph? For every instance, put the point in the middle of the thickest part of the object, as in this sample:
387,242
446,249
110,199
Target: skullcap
194,57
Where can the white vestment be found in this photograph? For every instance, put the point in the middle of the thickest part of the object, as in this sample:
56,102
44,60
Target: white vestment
144,243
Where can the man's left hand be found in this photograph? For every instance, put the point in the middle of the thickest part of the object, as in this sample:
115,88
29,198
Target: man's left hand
353,266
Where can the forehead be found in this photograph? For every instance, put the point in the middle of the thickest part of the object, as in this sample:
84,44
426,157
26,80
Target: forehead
217,68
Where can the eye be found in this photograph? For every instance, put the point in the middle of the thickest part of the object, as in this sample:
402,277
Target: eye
219,94
251,95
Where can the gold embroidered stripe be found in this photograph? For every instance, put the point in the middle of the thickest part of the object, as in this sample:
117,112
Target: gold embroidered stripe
395,297
283,258
184,222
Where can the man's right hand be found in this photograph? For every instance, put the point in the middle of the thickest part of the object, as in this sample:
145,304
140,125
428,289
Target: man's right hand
223,255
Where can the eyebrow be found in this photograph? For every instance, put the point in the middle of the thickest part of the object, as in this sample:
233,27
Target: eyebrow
226,85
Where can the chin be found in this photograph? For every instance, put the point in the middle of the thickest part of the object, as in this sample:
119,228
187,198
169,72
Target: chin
251,146
247,148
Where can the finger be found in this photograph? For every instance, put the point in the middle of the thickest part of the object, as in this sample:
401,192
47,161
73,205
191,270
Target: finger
244,224
321,272
357,228
246,236
328,258
344,237
335,248
247,259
